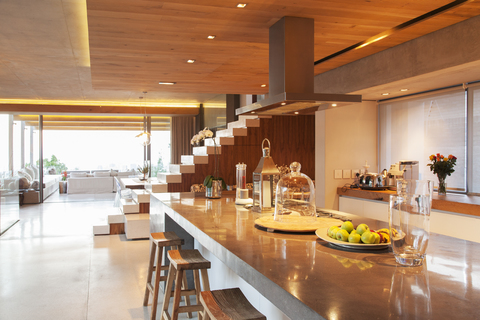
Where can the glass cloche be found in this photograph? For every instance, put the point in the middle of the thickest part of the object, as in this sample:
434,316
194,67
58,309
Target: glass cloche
295,197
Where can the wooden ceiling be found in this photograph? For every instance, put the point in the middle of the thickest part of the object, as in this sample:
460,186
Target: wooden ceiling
134,44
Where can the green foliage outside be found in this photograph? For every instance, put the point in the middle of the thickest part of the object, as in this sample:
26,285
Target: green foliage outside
54,163
159,167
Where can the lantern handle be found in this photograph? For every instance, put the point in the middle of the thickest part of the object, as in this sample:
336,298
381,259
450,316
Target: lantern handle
268,143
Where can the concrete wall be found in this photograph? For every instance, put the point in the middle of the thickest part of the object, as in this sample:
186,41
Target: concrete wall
453,46
345,138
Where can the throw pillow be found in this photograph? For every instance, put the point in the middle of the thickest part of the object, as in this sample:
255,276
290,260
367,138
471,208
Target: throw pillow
113,173
30,172
35,170
23,173
23,183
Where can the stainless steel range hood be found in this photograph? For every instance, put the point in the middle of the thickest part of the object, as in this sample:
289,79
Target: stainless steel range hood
291,73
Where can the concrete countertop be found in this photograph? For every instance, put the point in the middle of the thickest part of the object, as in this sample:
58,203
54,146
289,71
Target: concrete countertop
307,278
458,203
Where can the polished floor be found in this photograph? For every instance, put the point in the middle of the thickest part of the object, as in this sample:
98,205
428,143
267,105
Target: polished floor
52,267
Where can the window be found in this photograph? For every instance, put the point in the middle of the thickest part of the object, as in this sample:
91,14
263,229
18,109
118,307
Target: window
414,128
474,97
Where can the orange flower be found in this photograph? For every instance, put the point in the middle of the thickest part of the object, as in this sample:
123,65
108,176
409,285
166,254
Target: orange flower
432,157
450,156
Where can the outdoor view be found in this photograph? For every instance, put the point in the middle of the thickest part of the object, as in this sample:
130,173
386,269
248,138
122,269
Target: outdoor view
101,150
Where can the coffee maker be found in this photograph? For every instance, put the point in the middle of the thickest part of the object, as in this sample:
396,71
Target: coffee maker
404,169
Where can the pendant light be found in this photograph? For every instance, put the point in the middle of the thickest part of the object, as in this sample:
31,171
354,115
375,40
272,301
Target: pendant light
145,137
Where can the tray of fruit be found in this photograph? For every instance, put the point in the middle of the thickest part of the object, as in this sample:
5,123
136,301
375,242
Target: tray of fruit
361,237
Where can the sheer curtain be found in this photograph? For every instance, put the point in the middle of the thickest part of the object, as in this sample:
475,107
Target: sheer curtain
183,129
415,127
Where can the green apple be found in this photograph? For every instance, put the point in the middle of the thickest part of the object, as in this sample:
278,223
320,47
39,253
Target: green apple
348,225
354,237
332,231
342,235
361,228
368,237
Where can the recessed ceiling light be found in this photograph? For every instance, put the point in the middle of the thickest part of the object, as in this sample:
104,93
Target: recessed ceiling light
385,94
241,5
334,104
403,89
190,60
252,112
296,112
283,103
263,85
211,37
167,83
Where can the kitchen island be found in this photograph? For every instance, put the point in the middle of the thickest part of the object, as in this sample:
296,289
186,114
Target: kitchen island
308,278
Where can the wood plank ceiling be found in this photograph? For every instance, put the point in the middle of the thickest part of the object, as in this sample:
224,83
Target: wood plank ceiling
134,44
139,43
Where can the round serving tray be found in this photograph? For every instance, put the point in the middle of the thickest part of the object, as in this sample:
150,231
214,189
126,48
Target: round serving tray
296,224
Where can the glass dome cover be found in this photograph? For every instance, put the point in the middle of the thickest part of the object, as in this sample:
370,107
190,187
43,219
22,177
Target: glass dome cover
295,197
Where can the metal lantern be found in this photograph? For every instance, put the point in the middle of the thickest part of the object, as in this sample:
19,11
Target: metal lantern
264,178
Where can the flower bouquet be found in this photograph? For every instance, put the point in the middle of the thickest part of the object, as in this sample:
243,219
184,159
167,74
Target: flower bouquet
213,183
442,166
64,175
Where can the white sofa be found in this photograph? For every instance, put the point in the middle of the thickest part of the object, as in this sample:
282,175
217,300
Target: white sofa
96,182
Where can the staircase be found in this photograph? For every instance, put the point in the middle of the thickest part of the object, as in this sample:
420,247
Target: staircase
197,166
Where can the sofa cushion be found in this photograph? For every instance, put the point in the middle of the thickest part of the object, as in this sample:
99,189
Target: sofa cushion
30,172
78,174
23,173
113,173
125,174
101,174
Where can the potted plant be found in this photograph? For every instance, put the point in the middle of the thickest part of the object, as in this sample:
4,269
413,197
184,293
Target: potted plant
143,170
213,183
442,166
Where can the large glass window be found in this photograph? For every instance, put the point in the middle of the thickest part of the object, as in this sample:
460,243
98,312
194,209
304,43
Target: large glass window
4,142
415,128
475,132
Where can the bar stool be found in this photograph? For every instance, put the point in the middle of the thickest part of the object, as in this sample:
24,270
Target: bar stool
159,240
181,260
228,304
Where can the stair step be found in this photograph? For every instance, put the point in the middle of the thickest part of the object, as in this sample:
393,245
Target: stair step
101,228
158,187
221,141
141,196
182,168
129,206
206,150
232,132
137,226
168,177
244,123
116,218
195,159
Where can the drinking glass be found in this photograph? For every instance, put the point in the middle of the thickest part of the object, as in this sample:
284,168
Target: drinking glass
409,220
411,187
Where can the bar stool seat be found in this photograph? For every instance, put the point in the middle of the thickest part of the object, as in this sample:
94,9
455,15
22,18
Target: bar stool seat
228,304
159,241
180,261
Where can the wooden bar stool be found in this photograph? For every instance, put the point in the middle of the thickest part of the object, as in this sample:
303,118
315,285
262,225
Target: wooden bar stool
181,260
159,241
228,304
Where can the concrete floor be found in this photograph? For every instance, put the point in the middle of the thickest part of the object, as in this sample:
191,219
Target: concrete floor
52,267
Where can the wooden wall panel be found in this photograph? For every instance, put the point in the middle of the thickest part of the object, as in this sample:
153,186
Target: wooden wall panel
291,138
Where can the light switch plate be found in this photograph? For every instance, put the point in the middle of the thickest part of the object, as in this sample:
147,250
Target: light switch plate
346,174
354,173
338,174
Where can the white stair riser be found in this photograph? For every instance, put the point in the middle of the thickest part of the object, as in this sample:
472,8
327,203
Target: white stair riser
157,187
206,150
169,177
116,218
137,226
141,196
101,229
182,168
244,123
188,159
